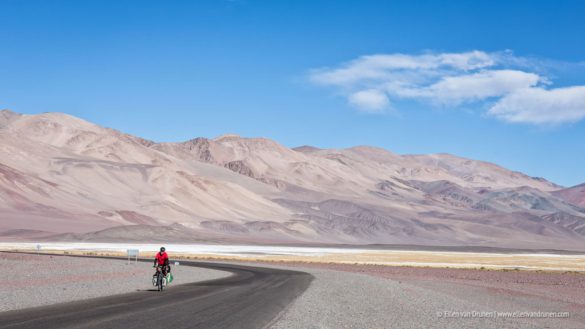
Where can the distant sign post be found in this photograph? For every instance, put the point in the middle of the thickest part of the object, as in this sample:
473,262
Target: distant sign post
38,248
133,253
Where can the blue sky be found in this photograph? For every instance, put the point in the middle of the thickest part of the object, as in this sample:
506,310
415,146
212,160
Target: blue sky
493,80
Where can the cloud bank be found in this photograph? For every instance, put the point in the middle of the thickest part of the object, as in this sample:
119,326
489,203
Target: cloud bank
510,86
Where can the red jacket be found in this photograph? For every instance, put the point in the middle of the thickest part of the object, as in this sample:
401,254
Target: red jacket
161,259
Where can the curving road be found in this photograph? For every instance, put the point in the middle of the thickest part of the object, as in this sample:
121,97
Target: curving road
252,297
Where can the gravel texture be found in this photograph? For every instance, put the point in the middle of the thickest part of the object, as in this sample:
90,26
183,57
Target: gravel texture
568,287
342,299
341,296
42,279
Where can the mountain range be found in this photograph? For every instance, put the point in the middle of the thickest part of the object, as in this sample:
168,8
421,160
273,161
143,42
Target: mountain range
63,178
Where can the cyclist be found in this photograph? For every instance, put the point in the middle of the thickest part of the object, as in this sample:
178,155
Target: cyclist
162,259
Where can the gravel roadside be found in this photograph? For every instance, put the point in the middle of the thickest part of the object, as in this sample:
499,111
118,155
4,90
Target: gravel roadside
341,299
339,296
38,280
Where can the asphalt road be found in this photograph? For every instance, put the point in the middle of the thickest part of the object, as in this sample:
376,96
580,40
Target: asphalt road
252,297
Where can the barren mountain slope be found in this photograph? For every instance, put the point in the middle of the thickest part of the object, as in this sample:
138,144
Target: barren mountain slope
61,174
93,174
273,164
433,167
412,196
574,195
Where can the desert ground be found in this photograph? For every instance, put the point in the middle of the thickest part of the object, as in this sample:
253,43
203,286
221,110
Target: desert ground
357,296
352,288
45,279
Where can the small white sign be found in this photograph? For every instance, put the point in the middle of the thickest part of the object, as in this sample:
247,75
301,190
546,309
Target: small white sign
133,253
176,263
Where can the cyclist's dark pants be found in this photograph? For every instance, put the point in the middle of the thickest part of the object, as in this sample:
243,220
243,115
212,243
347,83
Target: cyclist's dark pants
165,269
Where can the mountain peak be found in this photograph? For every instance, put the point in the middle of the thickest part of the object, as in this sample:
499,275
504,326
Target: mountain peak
7,112
574,195
7,116
227,137
306,149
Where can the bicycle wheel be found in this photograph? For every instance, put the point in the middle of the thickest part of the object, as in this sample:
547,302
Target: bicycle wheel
160,282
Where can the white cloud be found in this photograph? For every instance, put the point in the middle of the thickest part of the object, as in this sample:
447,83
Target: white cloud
380,67
371,100
481,85
468,61
541,106
372,82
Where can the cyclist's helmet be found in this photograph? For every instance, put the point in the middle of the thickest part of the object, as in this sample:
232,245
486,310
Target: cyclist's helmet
162,249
